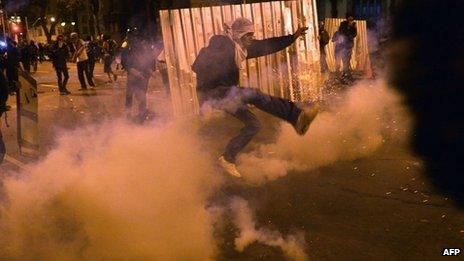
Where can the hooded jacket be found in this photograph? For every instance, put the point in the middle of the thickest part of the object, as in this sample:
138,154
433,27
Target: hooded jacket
215,65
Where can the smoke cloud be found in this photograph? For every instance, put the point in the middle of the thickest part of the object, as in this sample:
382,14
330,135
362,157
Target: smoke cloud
119,191
115,191
353,126
292,245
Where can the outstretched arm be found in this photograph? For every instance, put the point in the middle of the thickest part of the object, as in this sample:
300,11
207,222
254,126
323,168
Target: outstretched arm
271,45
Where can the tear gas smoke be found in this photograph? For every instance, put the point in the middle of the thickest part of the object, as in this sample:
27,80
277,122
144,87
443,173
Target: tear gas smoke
292,245
355,126
113,192
116,191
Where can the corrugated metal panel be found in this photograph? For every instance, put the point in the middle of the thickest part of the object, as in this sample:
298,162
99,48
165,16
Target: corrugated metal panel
360,60
293,73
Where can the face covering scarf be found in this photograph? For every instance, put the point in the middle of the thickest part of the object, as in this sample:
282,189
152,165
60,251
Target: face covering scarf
235,31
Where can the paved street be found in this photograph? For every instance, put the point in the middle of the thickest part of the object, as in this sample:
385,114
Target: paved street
376,208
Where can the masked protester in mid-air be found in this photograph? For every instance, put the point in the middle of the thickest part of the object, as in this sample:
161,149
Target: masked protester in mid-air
218,67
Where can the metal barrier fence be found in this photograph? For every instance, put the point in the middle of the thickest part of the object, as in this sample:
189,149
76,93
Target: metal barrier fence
28,119
293,73
360,59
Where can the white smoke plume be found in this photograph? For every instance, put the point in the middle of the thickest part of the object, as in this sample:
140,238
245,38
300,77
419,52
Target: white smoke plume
354,126
116,191
292,245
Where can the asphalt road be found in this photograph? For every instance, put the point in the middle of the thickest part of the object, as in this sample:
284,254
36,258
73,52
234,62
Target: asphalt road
377,208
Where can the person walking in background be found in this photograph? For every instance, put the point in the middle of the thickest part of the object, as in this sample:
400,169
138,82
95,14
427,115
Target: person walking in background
59,54
82,59
217,67
324,39
109,51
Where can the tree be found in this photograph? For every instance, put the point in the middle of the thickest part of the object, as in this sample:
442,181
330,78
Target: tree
41,5
334,8
95,8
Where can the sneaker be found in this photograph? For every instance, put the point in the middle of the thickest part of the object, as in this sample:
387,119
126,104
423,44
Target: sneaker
305,118
229,167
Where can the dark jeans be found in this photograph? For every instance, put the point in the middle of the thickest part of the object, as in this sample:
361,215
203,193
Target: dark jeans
91,67
63,77
324,65
2,148
235,104
83,68
346,58
26,66
138,88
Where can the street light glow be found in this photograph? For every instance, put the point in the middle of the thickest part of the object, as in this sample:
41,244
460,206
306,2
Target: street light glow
52,19
63,23
73,23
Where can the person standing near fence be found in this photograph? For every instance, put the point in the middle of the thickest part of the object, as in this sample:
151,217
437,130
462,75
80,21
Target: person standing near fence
348,32
140,65
324,39
218,68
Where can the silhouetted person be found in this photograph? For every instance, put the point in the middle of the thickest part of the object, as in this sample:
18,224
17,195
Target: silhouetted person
12,65
324,39
34,53
60,54
109,52
25,56
218,67
140,65
92,52
347,32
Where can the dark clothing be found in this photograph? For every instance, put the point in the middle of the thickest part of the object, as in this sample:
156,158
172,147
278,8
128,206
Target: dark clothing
2,148
63,77
25,57
240,97
140,60
34,54
83,72
345,43
91,67
107,62
217,80
137,88
324,39
12,67
59,55
215,65
93,54
349,32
